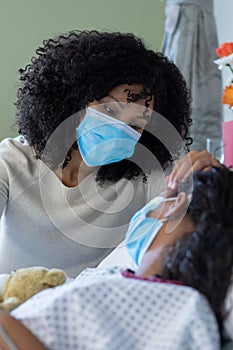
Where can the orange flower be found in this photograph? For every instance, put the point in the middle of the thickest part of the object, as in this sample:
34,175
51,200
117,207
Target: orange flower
227,97
225,49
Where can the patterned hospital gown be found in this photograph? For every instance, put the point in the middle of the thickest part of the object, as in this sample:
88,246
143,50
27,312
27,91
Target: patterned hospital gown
101,309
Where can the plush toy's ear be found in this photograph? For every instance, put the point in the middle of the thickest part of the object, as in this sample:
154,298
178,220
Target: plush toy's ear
54,277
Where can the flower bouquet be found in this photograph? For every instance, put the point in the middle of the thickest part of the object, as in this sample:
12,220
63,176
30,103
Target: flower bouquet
225,52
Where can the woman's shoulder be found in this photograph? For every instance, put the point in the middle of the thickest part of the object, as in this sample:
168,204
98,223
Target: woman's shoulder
15,147
17,156
13,142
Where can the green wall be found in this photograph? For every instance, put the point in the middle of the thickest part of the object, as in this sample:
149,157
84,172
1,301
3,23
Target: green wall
25,23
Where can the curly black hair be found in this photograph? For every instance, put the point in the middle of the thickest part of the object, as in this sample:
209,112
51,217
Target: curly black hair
204,258
79,67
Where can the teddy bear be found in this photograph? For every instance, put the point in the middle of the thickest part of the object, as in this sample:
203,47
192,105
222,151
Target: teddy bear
26,282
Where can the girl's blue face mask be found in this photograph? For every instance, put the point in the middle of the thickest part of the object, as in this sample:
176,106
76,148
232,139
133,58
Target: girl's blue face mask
104,140
142,229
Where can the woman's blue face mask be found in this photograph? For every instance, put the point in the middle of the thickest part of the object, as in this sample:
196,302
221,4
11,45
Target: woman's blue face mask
142,229
104,140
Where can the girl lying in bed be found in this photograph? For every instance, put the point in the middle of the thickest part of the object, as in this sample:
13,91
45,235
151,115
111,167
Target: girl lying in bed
178,243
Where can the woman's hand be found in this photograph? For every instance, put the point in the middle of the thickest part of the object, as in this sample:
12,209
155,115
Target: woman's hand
192,161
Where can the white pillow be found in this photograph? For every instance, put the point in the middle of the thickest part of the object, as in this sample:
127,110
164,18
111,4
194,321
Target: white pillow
118,257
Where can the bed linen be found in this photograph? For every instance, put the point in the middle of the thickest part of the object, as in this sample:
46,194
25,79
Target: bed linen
103,310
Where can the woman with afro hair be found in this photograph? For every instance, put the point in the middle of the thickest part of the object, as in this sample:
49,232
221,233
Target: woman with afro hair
101,119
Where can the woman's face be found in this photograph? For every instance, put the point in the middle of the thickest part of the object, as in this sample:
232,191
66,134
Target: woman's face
117,104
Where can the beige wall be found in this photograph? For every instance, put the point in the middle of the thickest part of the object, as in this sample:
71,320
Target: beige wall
25,23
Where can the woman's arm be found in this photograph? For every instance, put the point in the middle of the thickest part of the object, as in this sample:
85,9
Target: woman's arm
4,186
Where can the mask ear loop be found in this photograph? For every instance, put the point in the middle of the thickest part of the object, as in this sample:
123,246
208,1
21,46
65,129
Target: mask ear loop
189,197
170,199
166,219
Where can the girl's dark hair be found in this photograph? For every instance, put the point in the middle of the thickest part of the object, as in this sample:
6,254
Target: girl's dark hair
204,258
75,69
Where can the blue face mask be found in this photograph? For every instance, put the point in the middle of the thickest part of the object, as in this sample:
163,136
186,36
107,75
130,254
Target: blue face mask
103,139
142,230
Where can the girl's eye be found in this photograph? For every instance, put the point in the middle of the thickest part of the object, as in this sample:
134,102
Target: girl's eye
109,110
